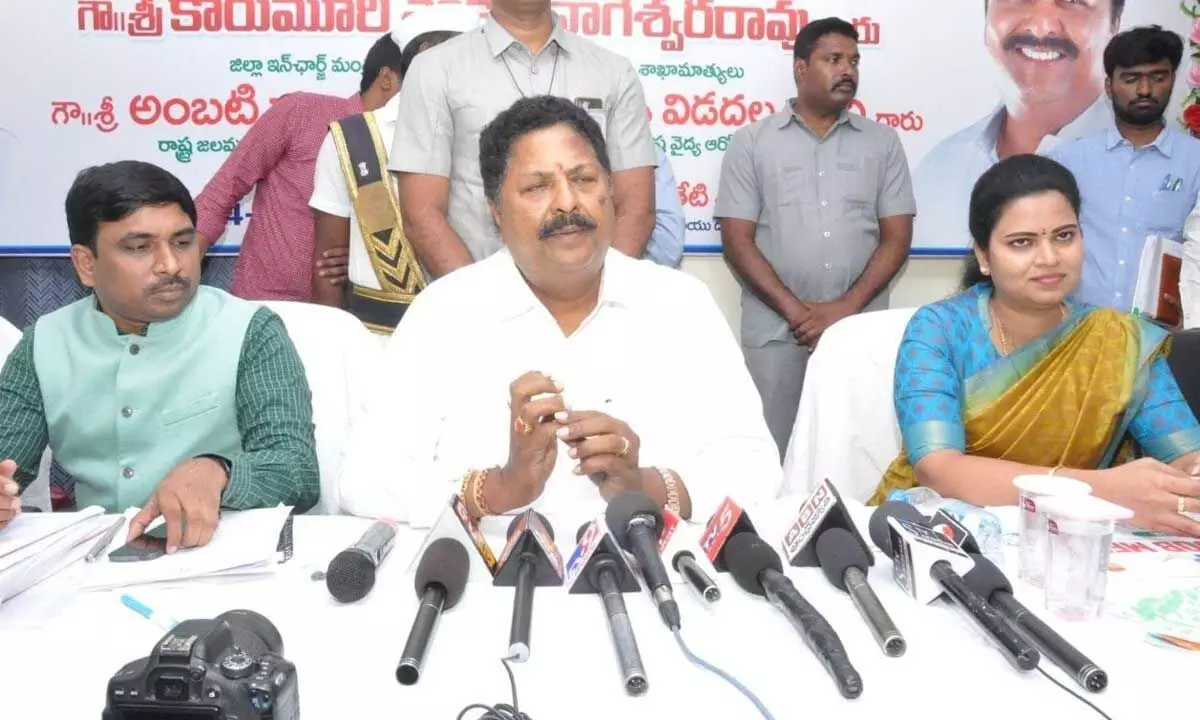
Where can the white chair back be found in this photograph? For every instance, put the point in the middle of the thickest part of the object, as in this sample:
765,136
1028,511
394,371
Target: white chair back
38,493
340,358
846,429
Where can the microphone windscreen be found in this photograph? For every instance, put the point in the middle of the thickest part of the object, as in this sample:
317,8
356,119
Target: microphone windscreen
879,529
444,563
837,552
680,556
350,576
623,508
985,578
579,533
545,523
747,556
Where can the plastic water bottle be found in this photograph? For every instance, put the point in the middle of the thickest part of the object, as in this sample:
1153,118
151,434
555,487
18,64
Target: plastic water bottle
984,526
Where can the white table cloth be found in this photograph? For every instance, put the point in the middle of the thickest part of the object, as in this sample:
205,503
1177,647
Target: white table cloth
59,647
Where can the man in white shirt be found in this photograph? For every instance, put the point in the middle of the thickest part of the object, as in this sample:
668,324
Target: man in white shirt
353,192
558,371
1049,54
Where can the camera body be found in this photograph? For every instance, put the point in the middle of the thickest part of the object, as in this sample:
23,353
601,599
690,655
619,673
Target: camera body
230,667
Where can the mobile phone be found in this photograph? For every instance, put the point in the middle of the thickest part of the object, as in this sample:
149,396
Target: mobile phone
147,546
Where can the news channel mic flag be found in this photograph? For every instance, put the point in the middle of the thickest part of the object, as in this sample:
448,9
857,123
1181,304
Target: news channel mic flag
178,85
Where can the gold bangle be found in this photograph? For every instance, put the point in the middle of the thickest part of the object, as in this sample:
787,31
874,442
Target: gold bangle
671,484
477,492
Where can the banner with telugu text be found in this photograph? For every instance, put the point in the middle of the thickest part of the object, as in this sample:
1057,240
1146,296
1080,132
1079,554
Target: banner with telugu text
178,82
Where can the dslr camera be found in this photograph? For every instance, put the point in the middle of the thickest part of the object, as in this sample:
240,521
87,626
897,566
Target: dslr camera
229,667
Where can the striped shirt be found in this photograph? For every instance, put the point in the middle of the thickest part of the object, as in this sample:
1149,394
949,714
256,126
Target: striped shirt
277,158
274,412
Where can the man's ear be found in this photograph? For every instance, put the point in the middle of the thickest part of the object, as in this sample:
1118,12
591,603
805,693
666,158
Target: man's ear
84,260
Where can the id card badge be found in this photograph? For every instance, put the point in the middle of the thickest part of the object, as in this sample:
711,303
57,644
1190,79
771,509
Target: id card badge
595,108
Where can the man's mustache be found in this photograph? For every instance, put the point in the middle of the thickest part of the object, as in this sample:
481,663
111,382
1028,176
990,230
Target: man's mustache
1029,40
847,83
562,221
173,281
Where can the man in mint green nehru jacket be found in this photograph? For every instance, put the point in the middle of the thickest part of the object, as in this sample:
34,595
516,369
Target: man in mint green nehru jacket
155,392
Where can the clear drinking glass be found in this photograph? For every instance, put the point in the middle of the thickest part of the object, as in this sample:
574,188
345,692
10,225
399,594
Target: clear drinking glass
1079,531
1031,548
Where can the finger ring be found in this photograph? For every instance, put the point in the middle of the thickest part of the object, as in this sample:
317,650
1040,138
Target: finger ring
1179,505
522,427
624,447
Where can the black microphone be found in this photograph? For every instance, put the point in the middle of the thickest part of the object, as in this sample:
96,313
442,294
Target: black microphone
529,560
920,554
635,521
685,564
845,564
987,580
440,581
351,573
607,575
757,569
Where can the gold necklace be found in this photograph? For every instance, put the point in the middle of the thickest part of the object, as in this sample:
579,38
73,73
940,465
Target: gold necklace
1004,349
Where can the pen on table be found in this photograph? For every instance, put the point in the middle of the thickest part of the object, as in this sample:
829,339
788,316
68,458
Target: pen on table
105,540
164,622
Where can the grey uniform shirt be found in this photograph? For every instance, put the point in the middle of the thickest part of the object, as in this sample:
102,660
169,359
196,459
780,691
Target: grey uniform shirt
453,90
816,203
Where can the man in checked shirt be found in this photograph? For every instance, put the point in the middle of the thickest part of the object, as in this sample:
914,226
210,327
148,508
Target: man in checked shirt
277,158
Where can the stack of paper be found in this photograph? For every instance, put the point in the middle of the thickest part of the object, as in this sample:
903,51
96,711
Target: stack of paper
1172,619
245,542
35,546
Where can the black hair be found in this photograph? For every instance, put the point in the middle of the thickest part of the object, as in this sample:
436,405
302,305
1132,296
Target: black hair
424,41
1009,180
523,117
385,53
108,193
1142,46
1118,7
807,39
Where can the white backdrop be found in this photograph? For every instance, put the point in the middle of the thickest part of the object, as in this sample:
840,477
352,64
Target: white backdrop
177,82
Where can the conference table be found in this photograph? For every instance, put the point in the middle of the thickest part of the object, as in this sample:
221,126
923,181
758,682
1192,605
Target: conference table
59,646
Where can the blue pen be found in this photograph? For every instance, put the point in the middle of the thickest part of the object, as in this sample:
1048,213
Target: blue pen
164,622
1166,179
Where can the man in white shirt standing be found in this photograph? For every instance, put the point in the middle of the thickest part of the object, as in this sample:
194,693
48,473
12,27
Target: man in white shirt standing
1049,54
356,217
558,371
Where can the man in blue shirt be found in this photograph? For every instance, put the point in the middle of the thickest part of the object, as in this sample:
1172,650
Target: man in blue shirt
666,244
1138,177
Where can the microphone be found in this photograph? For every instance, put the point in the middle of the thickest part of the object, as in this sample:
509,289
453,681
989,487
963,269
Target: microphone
728,520
845,566
988,581
529,560
822,510
757,569
440,581
920,555
598,567
685,564
351,573
635,522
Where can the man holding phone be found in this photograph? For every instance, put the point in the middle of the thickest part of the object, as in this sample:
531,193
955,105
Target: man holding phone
155,392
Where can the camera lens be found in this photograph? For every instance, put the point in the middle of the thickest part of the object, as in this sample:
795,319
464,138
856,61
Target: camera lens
252,632
171,687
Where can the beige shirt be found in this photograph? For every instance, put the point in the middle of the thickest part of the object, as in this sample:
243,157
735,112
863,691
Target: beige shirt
455,89
816,203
